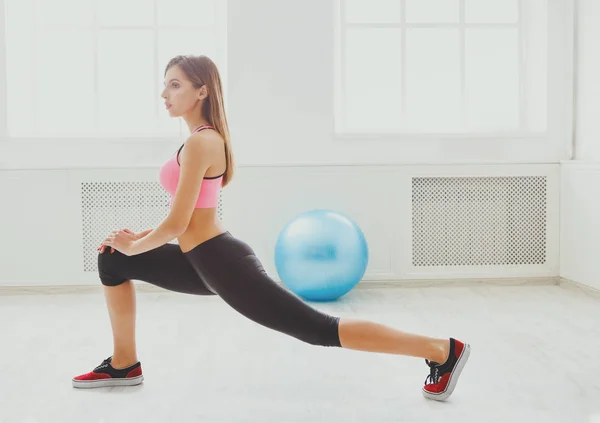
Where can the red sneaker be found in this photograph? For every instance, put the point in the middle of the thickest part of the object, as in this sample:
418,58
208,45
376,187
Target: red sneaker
442,378
106,375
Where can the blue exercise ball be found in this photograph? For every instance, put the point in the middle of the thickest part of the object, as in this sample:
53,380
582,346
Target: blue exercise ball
320,255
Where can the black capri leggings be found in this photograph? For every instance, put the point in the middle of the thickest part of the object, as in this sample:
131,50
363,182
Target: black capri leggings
227,267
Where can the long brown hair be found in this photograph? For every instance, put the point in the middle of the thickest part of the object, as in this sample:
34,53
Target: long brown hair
201,70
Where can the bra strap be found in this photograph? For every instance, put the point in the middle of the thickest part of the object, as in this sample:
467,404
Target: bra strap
200,128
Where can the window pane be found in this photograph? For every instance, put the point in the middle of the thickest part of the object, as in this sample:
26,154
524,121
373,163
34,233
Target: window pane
20,69
373,79
127,94
65,91
491,11
186,13
432,11
173,42
64,12
374,11
433,101
125,12
492,79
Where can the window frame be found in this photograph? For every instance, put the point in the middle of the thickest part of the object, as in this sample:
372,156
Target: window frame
559,79
7,141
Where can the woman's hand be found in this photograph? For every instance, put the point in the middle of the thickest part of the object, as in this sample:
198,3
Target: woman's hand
119,240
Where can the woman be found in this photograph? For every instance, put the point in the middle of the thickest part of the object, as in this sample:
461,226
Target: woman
210,261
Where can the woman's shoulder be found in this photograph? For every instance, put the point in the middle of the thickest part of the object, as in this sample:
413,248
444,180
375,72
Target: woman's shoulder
205,142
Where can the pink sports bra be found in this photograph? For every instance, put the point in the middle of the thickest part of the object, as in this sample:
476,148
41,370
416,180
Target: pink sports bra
209,191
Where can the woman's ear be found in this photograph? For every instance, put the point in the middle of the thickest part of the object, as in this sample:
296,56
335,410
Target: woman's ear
203,93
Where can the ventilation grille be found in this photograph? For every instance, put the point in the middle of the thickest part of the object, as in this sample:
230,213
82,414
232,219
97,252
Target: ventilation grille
108,206
477,221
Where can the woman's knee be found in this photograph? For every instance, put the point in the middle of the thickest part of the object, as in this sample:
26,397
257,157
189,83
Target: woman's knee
108,268
324,334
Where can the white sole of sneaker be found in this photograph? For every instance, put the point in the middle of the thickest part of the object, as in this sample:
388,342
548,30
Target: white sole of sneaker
460,364
103,383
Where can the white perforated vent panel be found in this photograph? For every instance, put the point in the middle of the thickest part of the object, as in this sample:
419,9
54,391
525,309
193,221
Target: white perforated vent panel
476,221
108,206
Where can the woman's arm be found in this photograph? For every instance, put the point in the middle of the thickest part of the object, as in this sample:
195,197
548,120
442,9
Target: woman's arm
143,234
162,234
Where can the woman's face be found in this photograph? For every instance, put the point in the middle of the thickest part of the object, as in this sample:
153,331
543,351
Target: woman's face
179,94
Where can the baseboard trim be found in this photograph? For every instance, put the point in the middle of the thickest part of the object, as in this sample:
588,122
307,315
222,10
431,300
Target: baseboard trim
142,287
433,283
578,286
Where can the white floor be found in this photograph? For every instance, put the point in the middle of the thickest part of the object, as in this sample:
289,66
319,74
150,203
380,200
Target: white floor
535,357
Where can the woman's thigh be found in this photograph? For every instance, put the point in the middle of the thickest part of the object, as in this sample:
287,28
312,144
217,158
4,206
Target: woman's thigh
165,267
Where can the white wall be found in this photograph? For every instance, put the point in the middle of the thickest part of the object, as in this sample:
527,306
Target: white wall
280,71
281,85
580,185
580,223
587,121
280,102
42,218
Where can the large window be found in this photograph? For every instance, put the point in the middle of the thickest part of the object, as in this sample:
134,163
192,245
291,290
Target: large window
443,66
94,68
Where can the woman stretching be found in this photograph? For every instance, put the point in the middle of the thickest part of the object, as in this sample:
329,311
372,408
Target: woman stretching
210,261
